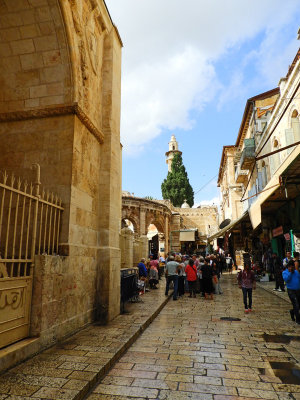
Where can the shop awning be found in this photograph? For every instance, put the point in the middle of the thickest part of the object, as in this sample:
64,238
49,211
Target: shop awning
273,191
227,228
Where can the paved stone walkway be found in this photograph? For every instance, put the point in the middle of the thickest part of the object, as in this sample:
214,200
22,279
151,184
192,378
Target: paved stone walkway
188,352
70,369
269,286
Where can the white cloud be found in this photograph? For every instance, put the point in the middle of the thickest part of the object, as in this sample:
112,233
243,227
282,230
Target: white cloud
213,201
170,48
161,95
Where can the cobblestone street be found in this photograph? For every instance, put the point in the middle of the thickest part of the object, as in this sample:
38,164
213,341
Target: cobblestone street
189,352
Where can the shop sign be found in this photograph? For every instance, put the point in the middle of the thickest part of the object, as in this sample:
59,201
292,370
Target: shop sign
287,236
277,231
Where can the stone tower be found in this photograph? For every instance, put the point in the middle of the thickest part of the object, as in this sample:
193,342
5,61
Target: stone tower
173,149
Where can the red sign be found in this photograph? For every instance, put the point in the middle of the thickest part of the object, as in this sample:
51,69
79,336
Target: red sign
277,231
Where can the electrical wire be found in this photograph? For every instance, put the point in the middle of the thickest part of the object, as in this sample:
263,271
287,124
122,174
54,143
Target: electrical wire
206,184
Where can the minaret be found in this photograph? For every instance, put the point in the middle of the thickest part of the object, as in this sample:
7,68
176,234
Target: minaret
173,148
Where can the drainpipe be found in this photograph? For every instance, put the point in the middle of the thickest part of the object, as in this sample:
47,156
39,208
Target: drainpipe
292,242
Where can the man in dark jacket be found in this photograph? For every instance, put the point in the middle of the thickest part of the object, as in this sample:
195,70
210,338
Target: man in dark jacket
277,268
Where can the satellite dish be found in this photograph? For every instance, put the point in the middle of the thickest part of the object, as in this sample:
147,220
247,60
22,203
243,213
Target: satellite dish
224,223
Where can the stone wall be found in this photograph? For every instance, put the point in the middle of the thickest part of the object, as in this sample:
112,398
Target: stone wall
62,293
34,58
204,218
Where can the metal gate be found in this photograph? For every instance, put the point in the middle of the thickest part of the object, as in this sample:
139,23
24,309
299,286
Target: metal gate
29,225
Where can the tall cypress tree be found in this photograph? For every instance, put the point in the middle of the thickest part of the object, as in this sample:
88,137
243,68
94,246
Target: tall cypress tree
176,187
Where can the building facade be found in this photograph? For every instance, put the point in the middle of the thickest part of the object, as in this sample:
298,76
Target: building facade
266,168
60,78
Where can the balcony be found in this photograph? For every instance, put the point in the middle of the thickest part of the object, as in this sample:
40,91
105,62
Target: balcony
240,174
248,154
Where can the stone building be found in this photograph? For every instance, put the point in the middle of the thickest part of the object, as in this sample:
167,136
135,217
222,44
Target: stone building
196,225
60,75
231,206
266,163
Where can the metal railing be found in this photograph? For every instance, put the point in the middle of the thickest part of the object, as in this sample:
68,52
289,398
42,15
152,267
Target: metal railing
29,223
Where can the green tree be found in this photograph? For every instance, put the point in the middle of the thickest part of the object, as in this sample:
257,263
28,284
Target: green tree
176,187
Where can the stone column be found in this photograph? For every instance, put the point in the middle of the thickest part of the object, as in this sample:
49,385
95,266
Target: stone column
144,246
175,234
136,251
166,235
110,201
143,226
126,245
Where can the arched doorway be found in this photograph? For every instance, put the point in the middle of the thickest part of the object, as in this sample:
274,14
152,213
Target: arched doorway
156,239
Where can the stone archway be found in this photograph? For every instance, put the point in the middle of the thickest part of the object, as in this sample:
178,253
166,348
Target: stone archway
145,212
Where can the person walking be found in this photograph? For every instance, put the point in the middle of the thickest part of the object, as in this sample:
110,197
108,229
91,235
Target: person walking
246,281
286,260
153,277
229,263
219,264
207,275
216,279
191,276
201,263
278,268
172,276
292,279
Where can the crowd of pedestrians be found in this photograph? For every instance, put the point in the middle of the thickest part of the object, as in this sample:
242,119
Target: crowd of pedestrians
195,274
202,275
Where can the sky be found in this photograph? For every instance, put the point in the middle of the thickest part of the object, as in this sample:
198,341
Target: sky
188,68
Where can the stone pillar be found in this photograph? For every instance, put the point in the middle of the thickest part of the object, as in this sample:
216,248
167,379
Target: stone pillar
166,235
144,247
126,245
110,203
136,251
143,227
174,233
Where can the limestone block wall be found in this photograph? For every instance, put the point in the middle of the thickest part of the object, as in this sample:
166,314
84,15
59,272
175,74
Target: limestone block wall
133,249
59,299
34,59
144,247
126,246
136,252
205,218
